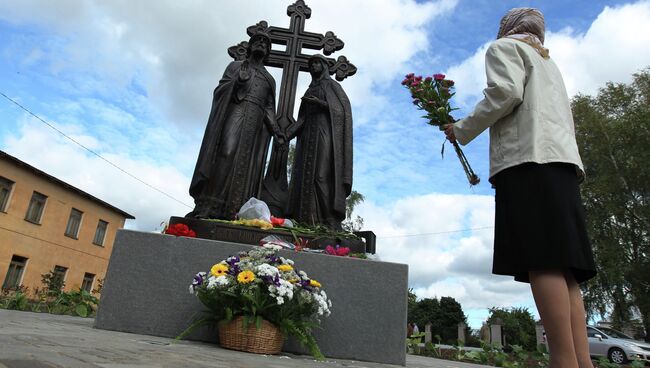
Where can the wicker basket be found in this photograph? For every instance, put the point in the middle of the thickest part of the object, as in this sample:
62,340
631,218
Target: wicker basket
265,340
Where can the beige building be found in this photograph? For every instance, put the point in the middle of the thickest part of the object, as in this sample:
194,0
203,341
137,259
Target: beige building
49,225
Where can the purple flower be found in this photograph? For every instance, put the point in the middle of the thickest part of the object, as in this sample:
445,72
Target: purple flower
198,280
273,258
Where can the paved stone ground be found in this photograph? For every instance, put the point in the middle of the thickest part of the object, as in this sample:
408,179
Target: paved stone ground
39,340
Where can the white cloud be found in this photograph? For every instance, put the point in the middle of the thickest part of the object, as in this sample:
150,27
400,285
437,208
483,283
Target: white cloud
423,233
54,154
613,48
178,51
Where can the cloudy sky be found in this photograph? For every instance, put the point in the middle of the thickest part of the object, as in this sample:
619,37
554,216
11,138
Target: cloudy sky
133,81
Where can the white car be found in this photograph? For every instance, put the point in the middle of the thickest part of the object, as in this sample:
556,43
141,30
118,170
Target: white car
616,346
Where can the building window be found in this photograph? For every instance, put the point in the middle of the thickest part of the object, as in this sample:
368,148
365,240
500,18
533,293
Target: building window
59,272
36,207
72,230
15,272
87,284
5,190
100,233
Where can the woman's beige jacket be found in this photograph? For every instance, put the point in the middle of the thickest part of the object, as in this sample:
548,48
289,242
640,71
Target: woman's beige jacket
526,108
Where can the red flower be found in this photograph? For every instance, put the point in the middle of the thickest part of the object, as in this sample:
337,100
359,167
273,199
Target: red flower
447,83
277,221
427,79
438,77
415,84
338,251
180,230
301,244
409,75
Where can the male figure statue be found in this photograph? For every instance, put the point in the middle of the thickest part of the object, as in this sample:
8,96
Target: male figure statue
230,166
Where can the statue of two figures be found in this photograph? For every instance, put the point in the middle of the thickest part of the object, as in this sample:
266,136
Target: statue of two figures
231,164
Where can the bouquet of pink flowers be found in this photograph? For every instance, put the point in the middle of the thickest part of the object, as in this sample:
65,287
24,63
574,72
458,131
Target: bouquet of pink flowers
432,94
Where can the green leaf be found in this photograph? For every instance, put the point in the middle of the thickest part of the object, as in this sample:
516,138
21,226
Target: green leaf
258,322
81,310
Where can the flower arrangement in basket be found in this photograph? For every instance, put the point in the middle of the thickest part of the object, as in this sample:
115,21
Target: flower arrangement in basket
432,94
257,298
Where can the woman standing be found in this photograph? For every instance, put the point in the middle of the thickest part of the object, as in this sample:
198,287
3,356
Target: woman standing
540,234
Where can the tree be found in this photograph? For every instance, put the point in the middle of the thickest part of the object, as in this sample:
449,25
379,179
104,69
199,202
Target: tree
426,311
613,134
518,326
450,315
352,224
444,315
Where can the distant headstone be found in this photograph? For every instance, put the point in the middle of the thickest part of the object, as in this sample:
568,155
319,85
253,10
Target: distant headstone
427,332
484,332
539,333
461,332
496,337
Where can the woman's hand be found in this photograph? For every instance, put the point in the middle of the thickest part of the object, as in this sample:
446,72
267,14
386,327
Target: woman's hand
449,132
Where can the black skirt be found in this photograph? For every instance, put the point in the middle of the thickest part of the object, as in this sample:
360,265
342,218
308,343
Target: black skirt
540,222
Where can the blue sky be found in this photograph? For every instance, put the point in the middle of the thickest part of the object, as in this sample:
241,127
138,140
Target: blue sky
133,82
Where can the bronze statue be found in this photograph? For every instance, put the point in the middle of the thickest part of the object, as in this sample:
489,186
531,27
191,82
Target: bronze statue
321,177
230,166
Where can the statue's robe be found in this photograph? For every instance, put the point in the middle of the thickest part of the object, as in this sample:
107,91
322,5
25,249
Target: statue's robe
321,177
230,166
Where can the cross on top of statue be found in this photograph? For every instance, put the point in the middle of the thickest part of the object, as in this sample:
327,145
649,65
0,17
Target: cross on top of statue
292,61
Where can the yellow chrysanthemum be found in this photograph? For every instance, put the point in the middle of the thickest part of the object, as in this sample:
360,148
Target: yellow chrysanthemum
314,283
219,269
245,277
293,281
285,267
264,225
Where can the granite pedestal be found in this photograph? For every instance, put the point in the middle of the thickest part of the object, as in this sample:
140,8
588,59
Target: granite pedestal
146,292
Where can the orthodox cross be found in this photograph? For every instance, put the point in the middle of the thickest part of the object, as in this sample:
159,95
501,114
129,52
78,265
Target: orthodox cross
292,60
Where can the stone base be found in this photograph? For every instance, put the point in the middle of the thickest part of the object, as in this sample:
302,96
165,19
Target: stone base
213,230
146,292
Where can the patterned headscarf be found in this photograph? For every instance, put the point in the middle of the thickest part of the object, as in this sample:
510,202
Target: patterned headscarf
526,25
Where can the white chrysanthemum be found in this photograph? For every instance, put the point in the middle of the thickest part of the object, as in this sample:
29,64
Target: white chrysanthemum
303,275
192,289
279,300
285,290
286,261
223,280
272,246
266,269
212,282
323,305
